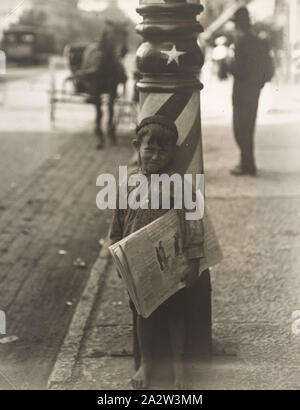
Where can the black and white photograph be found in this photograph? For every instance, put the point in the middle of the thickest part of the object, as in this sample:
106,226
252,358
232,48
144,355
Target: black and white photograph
150,198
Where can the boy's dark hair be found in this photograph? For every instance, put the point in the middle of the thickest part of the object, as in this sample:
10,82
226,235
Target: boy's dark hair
164,122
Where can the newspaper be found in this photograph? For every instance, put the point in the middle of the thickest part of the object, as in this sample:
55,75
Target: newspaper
152,264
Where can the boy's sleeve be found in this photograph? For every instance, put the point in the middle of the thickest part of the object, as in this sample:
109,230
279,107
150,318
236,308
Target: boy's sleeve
193,239
192,236
116,226
116,230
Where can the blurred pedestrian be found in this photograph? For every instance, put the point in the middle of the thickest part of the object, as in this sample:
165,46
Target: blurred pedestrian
251,66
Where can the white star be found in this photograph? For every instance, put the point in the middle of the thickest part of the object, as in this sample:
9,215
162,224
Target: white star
173,54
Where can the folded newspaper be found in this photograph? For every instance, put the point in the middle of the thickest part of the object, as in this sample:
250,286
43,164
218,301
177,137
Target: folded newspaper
151,261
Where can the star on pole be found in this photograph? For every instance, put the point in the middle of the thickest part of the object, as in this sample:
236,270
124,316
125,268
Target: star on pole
173,55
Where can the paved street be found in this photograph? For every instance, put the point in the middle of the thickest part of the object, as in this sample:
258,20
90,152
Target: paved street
27,137
48,219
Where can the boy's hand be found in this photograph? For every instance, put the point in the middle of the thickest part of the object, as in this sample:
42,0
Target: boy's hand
191,276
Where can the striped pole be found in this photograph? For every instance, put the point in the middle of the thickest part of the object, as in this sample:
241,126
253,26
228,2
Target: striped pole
170,61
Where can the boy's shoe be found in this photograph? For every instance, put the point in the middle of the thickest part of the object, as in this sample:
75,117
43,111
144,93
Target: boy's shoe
239,171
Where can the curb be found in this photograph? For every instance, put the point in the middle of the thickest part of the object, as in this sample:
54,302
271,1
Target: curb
65,363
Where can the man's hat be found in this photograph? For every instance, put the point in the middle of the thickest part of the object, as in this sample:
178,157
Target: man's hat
241,15
161,120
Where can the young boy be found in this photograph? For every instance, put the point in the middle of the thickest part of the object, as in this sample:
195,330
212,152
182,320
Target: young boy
155,142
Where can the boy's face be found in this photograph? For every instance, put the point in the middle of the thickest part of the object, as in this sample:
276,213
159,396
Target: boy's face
156,148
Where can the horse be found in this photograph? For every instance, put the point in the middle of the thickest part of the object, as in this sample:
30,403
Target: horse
101,71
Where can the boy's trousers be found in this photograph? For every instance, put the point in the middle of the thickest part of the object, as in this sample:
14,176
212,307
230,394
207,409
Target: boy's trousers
196,302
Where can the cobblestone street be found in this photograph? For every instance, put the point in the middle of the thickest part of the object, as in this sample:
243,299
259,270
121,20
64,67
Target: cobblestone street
48,182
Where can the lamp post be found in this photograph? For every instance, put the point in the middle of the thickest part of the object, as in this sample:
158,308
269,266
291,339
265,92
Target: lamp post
170,60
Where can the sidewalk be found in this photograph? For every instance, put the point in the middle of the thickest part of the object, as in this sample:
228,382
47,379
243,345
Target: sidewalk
255,289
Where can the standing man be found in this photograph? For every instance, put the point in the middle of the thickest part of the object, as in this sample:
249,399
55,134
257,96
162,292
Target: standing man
252,66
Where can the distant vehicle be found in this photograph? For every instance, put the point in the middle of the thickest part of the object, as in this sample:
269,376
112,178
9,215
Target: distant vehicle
27,44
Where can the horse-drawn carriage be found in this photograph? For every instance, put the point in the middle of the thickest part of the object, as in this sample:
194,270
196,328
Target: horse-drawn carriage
96,76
